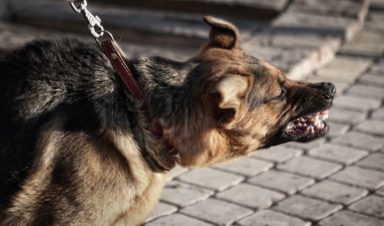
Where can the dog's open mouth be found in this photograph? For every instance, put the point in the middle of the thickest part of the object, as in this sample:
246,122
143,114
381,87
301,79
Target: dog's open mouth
308,127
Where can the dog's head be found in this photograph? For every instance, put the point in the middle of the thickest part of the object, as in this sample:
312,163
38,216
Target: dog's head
246,104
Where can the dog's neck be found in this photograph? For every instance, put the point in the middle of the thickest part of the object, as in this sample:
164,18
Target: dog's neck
166,88
165,84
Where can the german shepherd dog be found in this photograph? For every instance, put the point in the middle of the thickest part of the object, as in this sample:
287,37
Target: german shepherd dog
75,148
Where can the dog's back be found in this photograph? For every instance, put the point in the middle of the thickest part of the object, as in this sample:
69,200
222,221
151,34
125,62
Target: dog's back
38,81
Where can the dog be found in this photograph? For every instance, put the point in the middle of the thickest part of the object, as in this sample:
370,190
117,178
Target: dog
77,149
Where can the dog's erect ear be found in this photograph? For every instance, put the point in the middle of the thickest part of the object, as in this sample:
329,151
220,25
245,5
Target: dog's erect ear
222,35
229,94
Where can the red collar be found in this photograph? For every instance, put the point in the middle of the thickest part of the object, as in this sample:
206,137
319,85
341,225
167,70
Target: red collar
116,57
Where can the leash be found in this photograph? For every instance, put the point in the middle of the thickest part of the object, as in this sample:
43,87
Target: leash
116,56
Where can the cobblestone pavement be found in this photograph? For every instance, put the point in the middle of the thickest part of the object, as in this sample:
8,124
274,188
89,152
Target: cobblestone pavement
337,180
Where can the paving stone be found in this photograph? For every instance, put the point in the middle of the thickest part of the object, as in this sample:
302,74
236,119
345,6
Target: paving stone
337,129
372,127
380,191
377,4
346,66
271,218
374,20
366,178
277,153
310,167
325,46
360,140
318,24
346,116
373,161
161,209
216,211
211,178
365,43
376,80
372,205
351,9
182,194
177,220
245,166
356,103
335,192
286,59
378,114
337,153
177,171
377,69
307,145
333,75
307,208
282,181
251,196
366,91
349,218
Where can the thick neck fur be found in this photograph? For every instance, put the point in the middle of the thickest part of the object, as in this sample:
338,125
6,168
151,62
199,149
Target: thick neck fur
175,93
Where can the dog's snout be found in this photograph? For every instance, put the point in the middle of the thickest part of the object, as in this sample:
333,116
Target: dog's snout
327,89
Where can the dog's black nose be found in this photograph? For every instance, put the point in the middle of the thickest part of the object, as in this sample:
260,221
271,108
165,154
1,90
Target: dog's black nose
329,90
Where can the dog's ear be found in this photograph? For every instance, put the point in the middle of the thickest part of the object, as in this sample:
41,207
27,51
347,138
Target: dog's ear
229,94
222,35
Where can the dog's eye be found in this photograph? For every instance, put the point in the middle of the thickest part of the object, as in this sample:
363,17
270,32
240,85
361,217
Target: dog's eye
282,93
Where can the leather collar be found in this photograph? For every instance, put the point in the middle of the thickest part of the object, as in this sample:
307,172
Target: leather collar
116,57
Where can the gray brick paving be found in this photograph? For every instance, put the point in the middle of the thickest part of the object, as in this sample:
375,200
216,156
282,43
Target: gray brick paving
366,91
337,129
380,191
366,43
335,192
378,114
305,146
282,181
271,218
277,154
374,161
360,140
375,127
211,178
366,178
251,196
177,220
372,205
216,211
346,116
375,80
245,166
161,209
307,208
349,218
336,153
310,167
350,102
182,194
377,69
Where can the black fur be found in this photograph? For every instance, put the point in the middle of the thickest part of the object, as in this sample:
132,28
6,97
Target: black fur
75,80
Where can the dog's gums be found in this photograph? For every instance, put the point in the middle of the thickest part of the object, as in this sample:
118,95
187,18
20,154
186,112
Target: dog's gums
308,127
